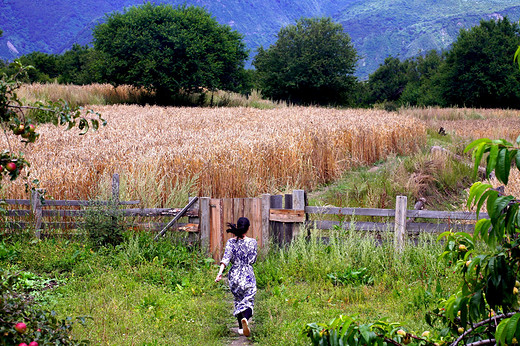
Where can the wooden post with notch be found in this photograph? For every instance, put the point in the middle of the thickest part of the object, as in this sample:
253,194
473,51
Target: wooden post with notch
36,207
299,201
400,222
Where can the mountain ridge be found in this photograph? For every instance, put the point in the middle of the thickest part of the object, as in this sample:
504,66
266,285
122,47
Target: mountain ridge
378,28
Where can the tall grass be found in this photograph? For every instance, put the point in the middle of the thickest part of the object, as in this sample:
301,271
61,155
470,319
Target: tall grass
106,94
297,288
82,95
230,152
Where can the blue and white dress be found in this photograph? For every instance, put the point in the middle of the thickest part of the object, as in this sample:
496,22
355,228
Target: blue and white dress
241,253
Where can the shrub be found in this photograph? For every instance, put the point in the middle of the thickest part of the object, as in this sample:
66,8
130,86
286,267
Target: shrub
38,325
103,225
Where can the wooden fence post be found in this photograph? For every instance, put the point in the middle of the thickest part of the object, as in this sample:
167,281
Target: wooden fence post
204,221
266,205
36,207
298,204
400,222
115,189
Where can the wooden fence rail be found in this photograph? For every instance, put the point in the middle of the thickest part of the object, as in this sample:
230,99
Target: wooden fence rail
277,218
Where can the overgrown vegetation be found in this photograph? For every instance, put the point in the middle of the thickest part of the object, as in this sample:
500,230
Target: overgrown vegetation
163,292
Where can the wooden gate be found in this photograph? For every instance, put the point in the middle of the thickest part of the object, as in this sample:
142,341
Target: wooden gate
228,210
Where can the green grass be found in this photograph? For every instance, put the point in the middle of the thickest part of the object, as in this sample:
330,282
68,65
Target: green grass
157,293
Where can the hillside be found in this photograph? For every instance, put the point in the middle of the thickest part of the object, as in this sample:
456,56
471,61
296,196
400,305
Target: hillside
378,27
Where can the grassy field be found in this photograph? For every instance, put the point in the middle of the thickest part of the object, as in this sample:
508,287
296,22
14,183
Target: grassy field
148,293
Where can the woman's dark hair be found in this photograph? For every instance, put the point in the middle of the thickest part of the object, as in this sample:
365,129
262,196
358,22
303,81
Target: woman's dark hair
240,228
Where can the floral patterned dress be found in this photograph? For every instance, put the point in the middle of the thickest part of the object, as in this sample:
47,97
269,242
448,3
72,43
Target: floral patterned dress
241,253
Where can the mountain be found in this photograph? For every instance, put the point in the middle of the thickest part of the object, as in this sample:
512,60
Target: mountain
378,28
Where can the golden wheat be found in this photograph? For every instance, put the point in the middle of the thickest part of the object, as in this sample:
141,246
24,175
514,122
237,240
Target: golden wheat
470,123
217,152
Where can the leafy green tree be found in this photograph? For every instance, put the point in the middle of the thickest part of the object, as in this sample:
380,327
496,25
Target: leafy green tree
80,65
312,62
170,50
478,70
44,67
389,80
423,87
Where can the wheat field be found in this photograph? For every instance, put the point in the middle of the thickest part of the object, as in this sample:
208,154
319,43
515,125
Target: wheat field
163,152
470,123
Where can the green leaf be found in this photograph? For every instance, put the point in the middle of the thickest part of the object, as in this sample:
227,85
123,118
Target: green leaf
484,197
510,328
476,143
492,159
499,334
477,157
476,190
503,166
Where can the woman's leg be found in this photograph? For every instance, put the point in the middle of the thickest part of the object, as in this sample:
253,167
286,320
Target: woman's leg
239,318
247,313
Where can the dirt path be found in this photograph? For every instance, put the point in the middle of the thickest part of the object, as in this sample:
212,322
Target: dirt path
239,340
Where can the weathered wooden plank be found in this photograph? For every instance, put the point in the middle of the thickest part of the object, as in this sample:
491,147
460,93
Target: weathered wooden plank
65,203
286,215
18,212
288,227
205,226
16,201
357,226
256,220
382,227
154,212
276,227
350,211
453,215
265,207
401,203
216,237
299,202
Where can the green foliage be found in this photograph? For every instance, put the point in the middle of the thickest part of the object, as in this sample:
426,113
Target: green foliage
312,62
42,326
80,65
409,82
478,70
103,224
170,50
352,276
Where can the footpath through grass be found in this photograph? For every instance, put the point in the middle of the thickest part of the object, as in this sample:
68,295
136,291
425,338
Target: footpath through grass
163,293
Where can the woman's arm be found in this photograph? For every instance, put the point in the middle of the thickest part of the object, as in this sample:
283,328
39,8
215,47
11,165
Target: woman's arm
221,270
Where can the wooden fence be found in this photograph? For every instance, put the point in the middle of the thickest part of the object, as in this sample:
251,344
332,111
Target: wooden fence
41,214
276,218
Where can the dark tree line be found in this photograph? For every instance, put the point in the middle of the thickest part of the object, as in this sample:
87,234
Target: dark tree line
477,71
181,50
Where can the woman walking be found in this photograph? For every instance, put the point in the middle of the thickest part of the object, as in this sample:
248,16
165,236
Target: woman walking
241,253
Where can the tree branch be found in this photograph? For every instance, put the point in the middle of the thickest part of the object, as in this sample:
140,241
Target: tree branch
481,323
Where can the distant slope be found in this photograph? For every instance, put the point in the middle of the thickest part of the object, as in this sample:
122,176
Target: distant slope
404,28
378,27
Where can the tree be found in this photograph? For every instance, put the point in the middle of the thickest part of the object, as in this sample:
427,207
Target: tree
312,61
170,50
478,70
80,65
389,80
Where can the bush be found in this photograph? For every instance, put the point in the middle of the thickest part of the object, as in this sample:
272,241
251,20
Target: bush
103,225
40,325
